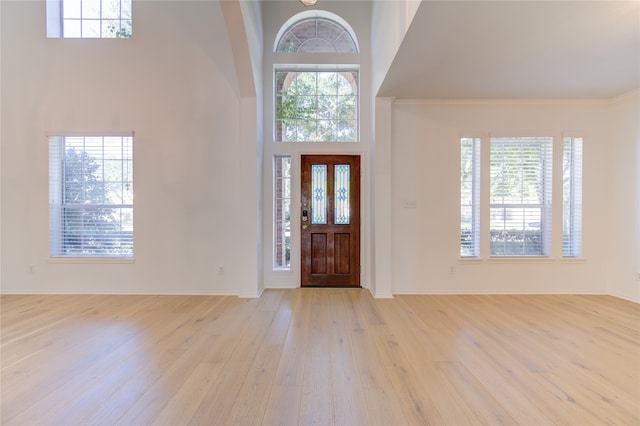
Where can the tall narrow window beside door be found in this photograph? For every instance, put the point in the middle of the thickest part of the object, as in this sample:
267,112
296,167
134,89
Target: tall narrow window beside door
91,196
282,212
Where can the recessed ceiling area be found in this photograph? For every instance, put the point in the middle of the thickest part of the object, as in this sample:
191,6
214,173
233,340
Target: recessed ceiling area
518,50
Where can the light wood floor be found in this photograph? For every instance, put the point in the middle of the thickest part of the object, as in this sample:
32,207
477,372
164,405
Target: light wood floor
320,356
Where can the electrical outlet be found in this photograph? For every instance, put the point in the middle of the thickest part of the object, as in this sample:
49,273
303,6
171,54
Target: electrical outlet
409,203
220,269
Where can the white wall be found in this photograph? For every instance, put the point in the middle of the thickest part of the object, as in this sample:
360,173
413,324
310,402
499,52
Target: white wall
390,21
425,168
174,84
244,25
624,212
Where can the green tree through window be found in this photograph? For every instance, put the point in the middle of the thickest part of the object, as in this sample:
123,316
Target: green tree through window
317,106
91,191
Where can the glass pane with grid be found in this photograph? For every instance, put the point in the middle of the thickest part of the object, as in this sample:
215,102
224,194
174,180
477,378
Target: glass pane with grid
316,106
317,35
95,19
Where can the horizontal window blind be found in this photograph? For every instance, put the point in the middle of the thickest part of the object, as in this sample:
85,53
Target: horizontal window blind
91,196
572,197
469,197
520,196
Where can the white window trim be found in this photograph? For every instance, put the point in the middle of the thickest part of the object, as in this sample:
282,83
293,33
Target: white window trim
87,259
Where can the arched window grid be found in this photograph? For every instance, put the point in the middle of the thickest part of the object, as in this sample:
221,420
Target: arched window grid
330,34
317,35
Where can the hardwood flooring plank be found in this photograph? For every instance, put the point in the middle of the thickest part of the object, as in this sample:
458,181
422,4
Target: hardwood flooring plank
350,408
316,403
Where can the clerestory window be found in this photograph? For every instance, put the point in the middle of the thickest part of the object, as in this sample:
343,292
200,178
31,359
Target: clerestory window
89,18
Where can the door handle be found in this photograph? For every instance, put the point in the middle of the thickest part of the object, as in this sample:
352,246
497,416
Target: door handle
305,216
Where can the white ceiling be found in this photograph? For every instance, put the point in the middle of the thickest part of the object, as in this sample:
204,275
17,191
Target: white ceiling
518,50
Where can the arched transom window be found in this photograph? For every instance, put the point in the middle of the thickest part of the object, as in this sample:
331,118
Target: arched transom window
317,35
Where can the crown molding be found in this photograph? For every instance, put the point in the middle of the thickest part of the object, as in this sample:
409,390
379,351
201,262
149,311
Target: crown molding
473,102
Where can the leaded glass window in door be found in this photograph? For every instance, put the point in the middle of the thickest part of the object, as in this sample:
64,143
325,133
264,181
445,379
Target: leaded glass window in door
319,194
342,214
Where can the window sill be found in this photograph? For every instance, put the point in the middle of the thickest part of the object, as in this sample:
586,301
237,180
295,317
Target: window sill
471,259
572,260
521,259
99,260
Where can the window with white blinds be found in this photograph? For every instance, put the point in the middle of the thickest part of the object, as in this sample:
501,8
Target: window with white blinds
91,196
520,196
469,197
572,197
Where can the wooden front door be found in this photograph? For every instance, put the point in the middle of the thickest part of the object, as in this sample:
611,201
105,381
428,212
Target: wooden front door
330,220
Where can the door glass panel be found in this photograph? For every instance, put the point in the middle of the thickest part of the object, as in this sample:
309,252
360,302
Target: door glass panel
319,194
342,178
